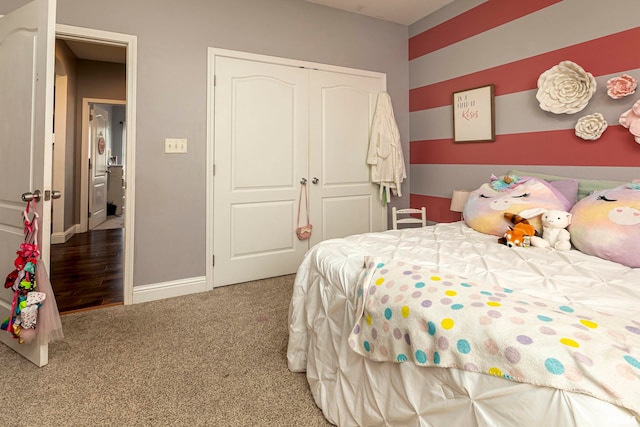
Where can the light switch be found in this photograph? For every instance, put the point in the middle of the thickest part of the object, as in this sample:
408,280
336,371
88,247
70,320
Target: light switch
175,145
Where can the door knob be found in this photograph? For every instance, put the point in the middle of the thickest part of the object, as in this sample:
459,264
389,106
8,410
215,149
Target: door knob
303,181
27,197
37,195
315,180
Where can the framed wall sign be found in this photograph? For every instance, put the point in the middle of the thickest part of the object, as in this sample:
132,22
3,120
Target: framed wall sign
473,115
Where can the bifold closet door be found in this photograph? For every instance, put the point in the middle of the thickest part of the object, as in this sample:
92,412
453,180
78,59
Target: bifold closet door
261,154
275,124
343,200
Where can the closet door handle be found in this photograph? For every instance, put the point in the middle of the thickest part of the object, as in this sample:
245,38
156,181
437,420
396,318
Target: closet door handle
315,180
303,181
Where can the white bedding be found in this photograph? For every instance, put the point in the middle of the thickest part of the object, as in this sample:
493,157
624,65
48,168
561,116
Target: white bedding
353,390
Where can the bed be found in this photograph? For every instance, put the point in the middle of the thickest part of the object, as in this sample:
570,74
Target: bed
521,336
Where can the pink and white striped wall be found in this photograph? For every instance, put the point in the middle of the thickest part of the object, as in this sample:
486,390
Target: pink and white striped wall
509,43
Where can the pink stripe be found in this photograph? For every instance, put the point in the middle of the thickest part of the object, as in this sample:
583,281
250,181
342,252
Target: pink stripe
484,17
437,207
613,56
616,147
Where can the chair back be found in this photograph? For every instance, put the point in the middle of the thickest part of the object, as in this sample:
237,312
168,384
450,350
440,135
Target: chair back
407,216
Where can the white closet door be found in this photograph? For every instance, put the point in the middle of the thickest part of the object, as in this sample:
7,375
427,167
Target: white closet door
343,200
260,156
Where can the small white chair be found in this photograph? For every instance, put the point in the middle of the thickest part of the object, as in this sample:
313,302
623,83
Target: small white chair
406,217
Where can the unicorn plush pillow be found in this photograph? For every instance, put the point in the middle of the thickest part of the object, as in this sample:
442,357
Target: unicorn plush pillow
607,224
485,208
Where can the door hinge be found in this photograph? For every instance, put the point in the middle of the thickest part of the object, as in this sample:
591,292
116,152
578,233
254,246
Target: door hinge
215,80
213,261
214,170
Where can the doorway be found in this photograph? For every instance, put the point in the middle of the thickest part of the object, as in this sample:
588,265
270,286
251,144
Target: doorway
92,263
104,140
87,270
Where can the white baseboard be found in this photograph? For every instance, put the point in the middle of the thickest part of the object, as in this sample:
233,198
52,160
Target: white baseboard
170,289
150,292
58,237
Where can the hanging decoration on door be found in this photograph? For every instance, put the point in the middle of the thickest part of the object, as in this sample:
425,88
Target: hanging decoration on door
31,289
304,231
23,316
101,144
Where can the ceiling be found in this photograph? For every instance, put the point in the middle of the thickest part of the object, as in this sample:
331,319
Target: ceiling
97,52
404,12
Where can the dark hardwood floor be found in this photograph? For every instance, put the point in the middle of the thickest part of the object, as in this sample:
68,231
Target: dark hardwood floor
87,271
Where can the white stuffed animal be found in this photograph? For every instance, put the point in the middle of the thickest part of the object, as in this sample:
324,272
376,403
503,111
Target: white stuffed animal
554,232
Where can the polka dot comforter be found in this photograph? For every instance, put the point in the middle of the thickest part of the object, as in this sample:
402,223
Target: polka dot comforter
408,312
354,390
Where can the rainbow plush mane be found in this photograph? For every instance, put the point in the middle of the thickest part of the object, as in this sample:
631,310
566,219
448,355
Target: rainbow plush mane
485,208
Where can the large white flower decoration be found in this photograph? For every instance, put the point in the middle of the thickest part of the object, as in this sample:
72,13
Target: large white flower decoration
565,88
591,127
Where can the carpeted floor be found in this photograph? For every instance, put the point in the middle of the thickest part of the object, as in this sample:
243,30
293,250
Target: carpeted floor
211,359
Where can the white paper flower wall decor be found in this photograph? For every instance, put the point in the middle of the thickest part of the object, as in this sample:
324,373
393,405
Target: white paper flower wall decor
631,120
591,127
621,86
565,88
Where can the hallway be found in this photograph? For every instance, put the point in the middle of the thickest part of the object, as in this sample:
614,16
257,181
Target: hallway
87,271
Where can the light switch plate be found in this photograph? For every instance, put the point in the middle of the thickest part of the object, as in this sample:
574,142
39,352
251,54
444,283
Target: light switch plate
175,145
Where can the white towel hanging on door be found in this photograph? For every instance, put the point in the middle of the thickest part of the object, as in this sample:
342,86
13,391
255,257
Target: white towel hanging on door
385,150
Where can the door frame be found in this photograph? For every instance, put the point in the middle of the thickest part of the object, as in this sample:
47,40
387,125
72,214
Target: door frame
212,53
130,42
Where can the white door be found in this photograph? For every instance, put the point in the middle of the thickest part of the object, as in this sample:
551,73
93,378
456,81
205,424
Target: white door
26,133
99,142
342,196
260,155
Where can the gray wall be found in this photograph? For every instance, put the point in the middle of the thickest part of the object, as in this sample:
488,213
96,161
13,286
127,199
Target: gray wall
66,65
173,38
118,113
